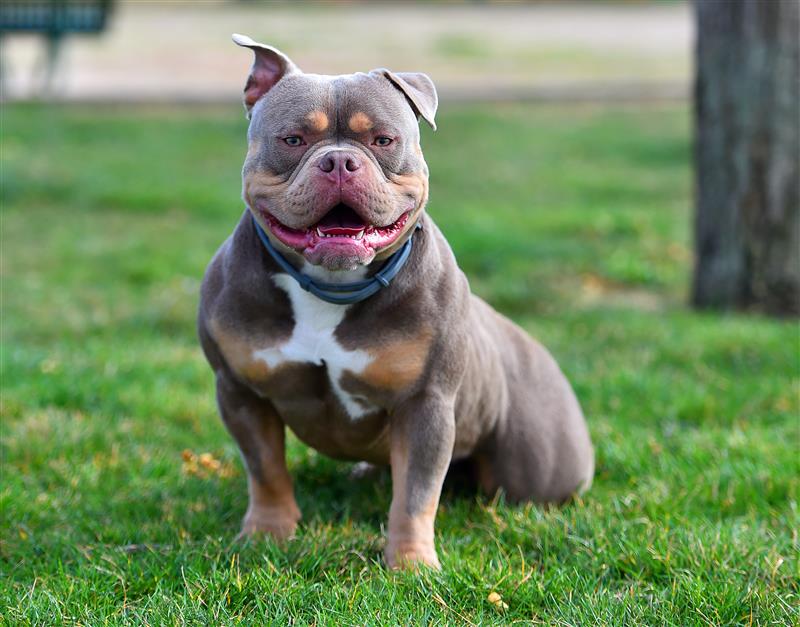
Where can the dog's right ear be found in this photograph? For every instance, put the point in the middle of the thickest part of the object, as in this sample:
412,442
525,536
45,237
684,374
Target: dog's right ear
269,66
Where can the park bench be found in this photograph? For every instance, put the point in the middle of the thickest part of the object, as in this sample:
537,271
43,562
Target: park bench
53,19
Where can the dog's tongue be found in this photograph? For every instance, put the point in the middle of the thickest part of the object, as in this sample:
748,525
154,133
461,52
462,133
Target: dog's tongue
341,220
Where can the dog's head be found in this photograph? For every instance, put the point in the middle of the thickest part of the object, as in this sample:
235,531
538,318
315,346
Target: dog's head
334,169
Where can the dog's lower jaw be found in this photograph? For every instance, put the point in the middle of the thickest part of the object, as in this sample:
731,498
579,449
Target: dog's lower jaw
339,263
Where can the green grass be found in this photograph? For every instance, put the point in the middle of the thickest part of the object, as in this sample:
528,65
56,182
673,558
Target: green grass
573,220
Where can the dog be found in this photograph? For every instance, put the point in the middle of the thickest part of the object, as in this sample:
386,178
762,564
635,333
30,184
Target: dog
336,308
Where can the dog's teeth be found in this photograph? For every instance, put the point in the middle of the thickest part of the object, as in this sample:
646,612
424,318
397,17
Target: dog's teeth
358,235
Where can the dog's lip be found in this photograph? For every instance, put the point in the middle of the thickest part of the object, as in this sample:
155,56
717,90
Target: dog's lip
326,231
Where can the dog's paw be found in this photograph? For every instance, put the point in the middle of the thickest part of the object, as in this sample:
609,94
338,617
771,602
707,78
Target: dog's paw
410,556
278,523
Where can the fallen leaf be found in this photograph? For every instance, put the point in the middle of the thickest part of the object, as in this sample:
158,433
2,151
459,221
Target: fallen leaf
205,465
495,599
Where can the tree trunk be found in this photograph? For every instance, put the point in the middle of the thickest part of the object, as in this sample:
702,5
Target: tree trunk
747,155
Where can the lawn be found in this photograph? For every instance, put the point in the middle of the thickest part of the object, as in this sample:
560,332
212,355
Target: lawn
121,491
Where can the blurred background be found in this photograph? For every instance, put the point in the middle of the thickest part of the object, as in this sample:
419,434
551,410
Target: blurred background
572,117
173,52
563,175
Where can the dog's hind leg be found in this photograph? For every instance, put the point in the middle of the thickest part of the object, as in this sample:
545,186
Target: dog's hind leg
540,450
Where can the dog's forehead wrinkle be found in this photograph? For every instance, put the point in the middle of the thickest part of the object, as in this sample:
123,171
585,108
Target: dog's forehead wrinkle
376,97
370,96
293,98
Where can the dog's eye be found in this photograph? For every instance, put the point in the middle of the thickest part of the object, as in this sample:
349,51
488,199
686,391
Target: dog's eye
383,141
294,140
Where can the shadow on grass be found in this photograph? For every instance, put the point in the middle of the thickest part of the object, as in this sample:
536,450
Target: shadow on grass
329,491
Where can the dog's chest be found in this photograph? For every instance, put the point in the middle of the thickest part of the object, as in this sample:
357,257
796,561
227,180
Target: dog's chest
313,341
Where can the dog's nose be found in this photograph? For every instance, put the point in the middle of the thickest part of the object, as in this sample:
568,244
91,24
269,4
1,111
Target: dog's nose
339,165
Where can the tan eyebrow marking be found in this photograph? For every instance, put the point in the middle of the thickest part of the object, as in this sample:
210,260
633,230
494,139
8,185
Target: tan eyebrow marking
317,120
360,122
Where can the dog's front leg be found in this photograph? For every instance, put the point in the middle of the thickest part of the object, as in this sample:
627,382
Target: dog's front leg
422,436
260,434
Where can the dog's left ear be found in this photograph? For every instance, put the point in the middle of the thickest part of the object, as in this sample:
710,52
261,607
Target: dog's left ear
420,91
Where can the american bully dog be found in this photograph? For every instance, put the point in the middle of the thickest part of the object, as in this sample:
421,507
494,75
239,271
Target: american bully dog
336,308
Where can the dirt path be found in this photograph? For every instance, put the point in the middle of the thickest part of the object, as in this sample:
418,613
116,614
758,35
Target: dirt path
168,51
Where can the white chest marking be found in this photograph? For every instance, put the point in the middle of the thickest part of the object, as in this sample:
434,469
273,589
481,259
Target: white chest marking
312,341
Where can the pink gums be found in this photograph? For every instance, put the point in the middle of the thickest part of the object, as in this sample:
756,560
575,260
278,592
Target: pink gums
337,241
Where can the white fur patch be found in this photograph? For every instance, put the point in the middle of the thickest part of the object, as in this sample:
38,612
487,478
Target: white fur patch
312,341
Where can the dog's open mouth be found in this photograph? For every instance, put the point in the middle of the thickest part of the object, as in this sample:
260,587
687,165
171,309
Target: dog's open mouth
340,227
